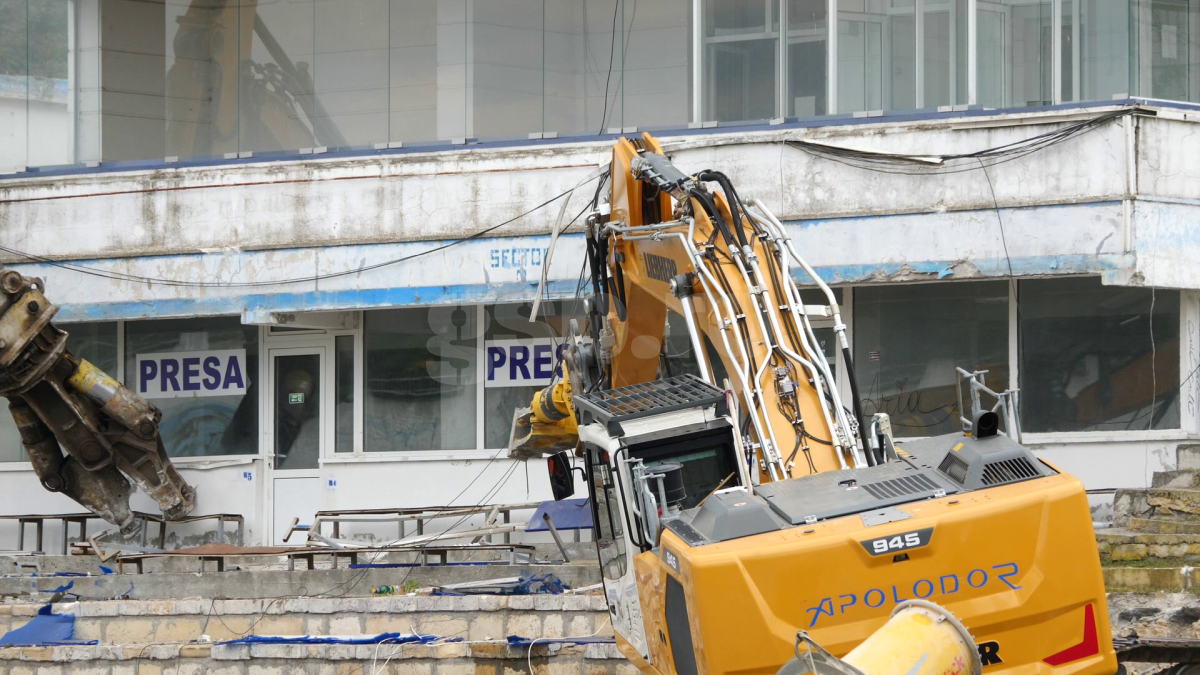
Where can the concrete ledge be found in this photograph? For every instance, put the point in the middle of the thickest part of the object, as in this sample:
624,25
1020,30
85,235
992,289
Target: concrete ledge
401,604
255,584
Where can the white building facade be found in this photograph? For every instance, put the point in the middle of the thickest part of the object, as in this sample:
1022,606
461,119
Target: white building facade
310,231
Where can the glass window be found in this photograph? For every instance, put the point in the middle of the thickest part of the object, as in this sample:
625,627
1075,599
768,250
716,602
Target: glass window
95,342
35,118
1167,52
506,67
1103,49
908,340
656,68
945,53
427,53
421,374
1097,358
678,356
1015,57
343,410
183,366
807,45
741,38
606,513
521,357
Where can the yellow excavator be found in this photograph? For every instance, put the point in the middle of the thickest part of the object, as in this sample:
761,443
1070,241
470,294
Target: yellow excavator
747,520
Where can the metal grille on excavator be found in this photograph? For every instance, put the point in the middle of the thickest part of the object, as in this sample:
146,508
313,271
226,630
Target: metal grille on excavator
1008,471
899,487
648,398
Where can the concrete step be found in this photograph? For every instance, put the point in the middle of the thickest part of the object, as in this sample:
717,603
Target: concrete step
478,658
1153,503
1120,545
1185,479
1162,525
479,618
1180,579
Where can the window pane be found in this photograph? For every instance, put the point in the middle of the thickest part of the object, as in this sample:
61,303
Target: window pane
1015,57
14,83
1166,54
518,353
506,97
1093,358
344,401
909,339
945,53
807,40
1104,49
193,425
421,377
96,342
903,80
201,80
581,40
297,411
739,59
427,51
656,85
680,357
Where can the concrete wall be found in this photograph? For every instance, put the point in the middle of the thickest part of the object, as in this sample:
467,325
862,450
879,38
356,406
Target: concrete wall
939,218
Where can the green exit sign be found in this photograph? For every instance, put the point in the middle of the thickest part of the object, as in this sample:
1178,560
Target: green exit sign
296,398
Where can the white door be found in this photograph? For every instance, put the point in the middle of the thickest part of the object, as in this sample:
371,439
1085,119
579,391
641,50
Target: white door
298,405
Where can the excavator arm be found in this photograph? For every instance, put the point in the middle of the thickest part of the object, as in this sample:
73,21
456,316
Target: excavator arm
86,434
688,244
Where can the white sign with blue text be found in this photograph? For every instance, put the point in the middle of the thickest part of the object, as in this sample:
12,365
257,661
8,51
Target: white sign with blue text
525,362
214,372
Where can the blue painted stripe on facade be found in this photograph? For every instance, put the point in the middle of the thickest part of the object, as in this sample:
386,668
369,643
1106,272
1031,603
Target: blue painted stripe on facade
264,303
314,301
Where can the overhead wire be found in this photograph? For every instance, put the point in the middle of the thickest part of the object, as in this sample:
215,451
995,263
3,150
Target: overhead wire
921,165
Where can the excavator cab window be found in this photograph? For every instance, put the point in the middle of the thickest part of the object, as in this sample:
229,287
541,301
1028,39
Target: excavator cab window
606,514
707,457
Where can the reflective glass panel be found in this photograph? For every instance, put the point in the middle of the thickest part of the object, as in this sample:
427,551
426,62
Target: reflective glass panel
1098,358
908,340
343,409
420,377
184,366
741,38
807,47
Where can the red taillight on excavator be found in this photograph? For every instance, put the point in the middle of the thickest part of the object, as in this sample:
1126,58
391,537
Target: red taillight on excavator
1090,646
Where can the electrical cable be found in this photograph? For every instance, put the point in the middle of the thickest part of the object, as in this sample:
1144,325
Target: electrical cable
923,165
612,49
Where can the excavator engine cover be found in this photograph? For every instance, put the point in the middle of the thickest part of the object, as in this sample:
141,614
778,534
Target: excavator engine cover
978,525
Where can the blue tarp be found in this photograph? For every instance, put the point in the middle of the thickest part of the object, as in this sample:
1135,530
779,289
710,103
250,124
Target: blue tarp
389,638
568,514
518,641
46,629
526,585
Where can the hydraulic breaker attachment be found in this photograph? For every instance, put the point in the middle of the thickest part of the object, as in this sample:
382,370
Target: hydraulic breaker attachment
86,434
